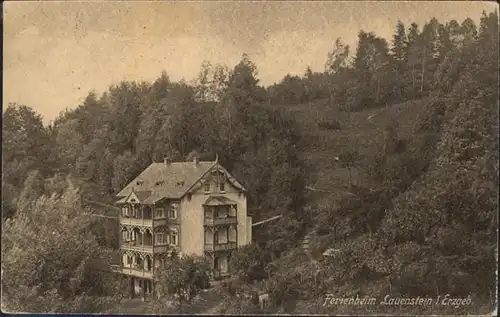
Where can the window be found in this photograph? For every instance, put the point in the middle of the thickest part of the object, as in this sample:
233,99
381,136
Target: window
159,213
174,237
138,261
208,212
125,211
232,211
128,260
125,236
160,263
222,186
160,238
216,237
221,212
173,212
232,234
207,187
223,264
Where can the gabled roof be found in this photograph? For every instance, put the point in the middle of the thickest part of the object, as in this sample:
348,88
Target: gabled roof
218,201
171,181
140,195
122,200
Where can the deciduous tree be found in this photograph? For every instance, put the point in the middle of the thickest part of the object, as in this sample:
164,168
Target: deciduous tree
51,263
182,279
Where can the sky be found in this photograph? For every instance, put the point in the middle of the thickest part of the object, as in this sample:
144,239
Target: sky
54,53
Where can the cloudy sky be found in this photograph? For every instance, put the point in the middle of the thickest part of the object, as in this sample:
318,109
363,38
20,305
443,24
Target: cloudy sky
54,53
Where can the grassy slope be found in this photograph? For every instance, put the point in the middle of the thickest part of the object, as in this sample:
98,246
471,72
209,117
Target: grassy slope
323,145
363,131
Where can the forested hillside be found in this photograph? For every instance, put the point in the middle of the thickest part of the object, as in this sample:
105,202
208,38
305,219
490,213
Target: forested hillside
389,156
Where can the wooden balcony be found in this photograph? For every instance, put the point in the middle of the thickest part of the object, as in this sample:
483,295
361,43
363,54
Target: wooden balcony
220,221
220,246
160,222
220,275
162,248
137,247
137,272
165,221
136,221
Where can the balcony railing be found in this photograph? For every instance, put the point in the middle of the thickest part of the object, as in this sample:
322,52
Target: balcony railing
137,272
136,221
220,246
220,221
220,274
137,246
160,222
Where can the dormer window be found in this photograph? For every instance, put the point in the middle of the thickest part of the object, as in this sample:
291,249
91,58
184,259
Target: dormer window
222,186
180,183
159,183
140,183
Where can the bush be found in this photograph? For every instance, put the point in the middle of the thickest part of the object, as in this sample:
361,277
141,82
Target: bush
249,263
183,278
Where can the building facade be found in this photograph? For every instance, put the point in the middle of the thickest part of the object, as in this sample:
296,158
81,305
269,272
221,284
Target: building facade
190,208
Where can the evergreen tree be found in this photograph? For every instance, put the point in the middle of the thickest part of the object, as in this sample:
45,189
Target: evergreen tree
414,59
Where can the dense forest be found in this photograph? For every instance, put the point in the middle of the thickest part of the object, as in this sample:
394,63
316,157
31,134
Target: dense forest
400,230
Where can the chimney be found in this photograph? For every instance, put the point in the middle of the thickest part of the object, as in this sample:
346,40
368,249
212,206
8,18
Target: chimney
166,160
195,160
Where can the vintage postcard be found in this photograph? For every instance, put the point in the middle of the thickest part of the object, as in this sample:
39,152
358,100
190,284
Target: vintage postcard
250,157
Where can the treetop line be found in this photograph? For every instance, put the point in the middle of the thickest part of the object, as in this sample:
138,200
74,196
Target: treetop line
378,174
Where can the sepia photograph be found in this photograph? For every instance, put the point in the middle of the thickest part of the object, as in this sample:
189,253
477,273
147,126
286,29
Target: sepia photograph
250,158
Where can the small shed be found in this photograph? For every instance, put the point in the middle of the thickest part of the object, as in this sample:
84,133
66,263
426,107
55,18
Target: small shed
264,300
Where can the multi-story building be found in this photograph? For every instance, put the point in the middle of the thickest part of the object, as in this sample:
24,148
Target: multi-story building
194,208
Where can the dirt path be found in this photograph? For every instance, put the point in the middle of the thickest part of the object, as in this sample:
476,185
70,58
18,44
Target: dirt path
211,300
